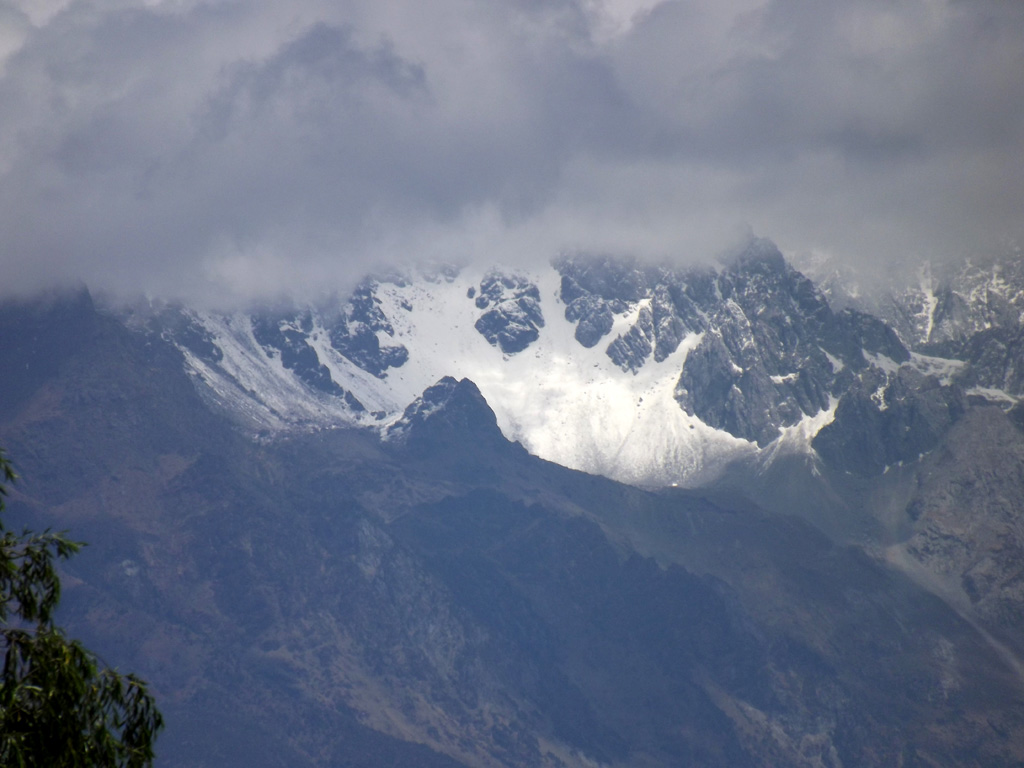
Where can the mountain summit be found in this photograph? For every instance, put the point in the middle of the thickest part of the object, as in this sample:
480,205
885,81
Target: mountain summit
653,375
320,533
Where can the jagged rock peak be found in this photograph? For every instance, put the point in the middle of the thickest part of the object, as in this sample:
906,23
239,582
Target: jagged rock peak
759,253
450,415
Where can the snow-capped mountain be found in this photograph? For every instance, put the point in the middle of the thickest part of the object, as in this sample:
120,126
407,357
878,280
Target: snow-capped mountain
653,375
845,585
950,305
973,314
963,321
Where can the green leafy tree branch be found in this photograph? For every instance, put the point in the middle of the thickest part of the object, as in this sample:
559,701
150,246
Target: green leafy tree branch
59,705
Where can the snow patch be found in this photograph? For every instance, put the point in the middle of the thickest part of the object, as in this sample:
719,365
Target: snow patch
256,384
796,439
941,368
929,301
999,396
837,364
884,362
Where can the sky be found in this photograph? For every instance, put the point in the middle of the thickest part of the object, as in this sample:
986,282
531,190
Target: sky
214,149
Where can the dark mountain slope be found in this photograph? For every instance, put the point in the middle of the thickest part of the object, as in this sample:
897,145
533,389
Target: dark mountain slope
112,442
444,598
966,521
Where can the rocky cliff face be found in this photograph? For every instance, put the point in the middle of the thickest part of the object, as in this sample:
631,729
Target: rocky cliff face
974,314
771,352
967,523
889,419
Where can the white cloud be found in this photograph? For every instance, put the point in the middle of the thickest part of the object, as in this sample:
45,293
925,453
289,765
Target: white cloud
227,146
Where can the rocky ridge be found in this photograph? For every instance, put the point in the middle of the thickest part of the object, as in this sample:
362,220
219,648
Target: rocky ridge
971,314
763,349
442,598
771,352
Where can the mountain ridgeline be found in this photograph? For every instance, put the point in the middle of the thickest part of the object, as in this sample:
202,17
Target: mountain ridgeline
602,514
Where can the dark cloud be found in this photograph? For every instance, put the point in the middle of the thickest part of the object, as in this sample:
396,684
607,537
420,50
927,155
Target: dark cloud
210,148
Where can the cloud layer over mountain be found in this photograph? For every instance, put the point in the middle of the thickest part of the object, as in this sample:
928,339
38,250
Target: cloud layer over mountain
218,147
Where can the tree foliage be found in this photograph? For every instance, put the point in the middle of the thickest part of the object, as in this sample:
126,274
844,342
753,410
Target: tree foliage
60,707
